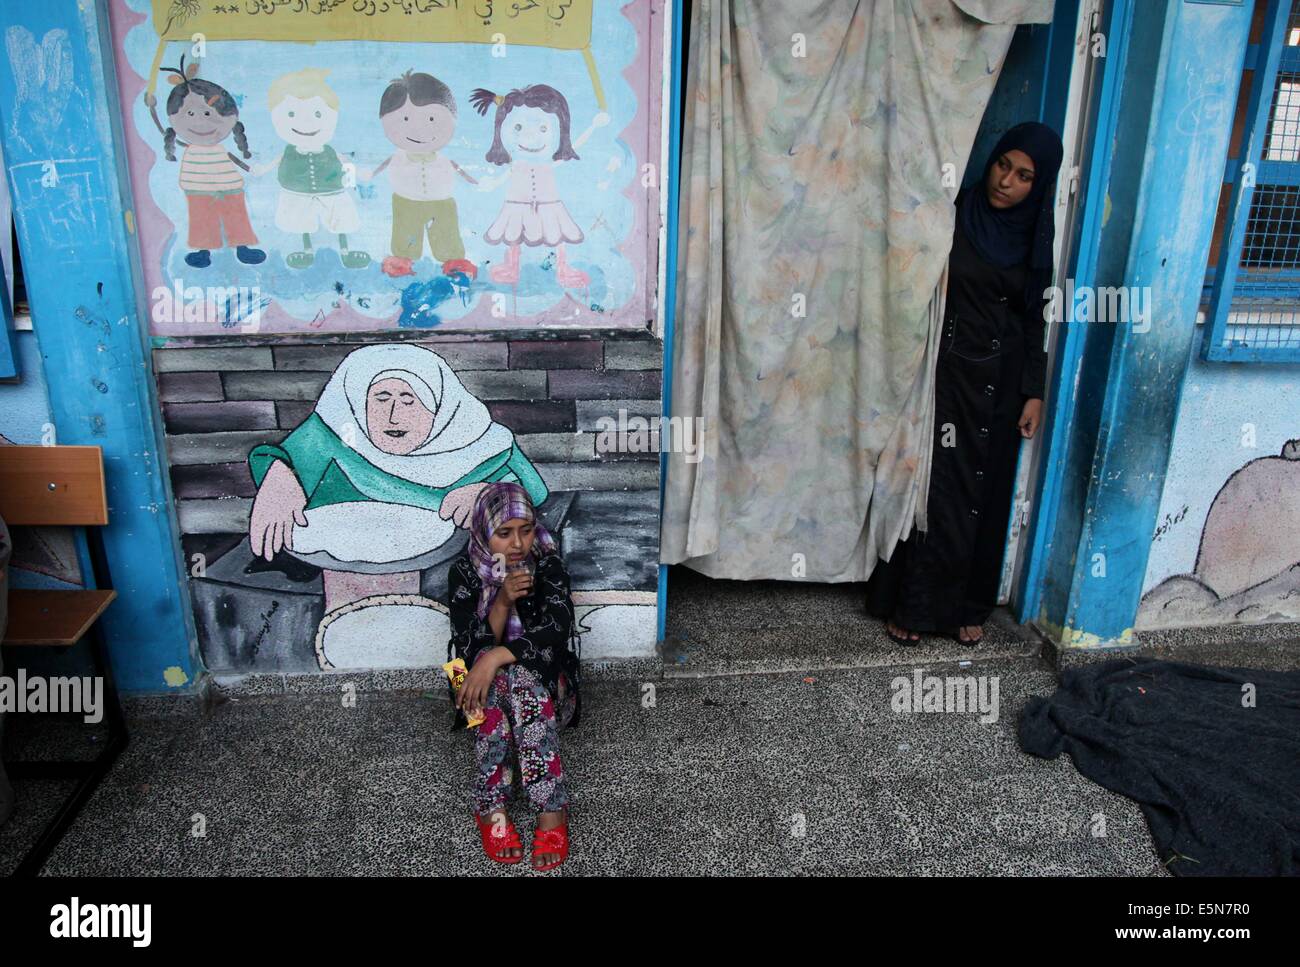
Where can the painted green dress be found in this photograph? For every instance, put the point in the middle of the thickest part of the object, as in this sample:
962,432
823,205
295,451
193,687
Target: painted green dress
330,472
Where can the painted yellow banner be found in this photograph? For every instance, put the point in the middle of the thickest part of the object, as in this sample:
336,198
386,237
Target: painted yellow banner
562,24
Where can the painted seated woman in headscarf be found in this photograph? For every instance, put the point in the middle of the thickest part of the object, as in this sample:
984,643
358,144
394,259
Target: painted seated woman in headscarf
989,384
374,484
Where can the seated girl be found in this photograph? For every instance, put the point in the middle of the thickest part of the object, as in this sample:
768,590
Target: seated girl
512,622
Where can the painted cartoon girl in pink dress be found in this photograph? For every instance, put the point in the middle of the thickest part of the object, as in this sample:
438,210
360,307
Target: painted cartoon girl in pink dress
532,132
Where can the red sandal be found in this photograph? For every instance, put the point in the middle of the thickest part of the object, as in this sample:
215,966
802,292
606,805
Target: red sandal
496,843
547,841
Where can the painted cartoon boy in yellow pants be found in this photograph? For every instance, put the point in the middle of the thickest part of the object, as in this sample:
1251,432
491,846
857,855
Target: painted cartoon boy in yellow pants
418,113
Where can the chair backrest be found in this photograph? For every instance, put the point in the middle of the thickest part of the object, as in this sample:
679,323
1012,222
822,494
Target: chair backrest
52,485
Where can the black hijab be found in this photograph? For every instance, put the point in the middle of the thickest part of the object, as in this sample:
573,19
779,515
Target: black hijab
1024,232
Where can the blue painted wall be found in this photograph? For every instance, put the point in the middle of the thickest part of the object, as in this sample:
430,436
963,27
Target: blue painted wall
1034,82
72,215
1176,115
1109,185
1224,550
25,402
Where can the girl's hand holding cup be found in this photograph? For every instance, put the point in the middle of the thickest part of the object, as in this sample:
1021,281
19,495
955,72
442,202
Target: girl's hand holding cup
519,581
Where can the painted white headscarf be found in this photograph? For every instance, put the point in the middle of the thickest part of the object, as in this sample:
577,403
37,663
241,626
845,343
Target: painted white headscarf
463,434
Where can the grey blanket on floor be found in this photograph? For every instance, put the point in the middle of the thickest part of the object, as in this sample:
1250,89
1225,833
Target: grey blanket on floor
1212,755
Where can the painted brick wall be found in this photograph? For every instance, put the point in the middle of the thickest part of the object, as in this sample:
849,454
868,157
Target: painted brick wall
219,402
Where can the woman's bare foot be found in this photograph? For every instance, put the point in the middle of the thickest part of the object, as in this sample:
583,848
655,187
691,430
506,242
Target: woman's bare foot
971,634
499,821
548,821
898,632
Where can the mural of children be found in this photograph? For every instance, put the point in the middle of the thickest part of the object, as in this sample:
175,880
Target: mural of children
305,114
418,114
533,126
372,488
200,116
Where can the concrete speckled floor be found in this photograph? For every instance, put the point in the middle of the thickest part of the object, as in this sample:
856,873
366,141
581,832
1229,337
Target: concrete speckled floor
694,772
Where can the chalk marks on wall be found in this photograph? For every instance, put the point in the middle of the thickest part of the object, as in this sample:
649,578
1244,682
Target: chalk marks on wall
65,187
1248,562
43,78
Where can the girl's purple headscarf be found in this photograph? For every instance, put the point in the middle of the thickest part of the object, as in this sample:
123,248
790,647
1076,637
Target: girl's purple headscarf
496,504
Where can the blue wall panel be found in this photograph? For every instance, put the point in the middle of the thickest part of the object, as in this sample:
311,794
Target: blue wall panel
1176,118
73,219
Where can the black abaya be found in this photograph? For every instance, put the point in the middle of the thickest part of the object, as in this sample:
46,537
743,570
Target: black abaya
991,361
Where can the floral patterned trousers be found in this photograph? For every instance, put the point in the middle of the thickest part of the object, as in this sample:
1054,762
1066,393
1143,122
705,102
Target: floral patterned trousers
521,713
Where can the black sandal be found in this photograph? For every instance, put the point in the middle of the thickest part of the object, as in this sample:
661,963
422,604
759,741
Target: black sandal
905,640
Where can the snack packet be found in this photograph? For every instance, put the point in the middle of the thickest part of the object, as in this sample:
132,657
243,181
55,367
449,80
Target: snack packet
456,672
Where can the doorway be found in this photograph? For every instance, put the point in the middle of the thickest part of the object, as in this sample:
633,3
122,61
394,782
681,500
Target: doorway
1051,74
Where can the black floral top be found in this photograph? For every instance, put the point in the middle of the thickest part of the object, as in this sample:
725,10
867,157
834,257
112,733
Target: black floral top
548,645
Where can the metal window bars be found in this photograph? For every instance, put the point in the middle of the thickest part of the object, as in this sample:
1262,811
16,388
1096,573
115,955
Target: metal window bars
1254,305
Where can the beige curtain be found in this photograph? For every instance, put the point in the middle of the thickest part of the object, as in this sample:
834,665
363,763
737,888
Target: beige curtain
825,141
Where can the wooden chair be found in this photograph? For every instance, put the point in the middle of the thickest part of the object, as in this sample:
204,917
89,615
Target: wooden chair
62,486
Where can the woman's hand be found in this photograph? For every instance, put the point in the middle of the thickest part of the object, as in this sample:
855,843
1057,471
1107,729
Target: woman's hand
1030,418
278,506
518,584
458,506
474,690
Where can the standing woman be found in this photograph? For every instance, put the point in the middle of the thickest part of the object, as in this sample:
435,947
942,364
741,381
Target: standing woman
988,395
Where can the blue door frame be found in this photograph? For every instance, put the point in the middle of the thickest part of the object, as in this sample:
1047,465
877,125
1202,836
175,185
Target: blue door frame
1165,105
72,210
670,276
1065,395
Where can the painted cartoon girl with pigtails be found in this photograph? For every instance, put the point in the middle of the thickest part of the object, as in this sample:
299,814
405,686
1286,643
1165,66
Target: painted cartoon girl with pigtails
532,132
200,116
